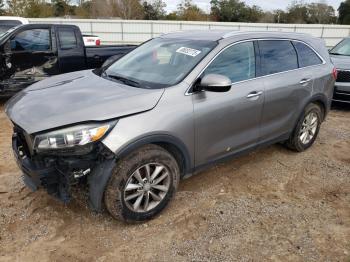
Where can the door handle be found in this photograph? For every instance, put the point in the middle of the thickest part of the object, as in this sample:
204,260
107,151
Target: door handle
255,94
305,81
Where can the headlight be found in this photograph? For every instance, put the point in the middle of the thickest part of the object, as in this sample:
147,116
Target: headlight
71,137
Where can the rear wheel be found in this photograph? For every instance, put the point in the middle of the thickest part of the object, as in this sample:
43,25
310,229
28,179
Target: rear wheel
142,184
307,128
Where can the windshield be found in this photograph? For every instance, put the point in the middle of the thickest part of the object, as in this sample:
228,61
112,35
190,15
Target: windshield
343,48
160,62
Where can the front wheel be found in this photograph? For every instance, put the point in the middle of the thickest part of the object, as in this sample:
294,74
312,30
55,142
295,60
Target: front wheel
307,128
142,184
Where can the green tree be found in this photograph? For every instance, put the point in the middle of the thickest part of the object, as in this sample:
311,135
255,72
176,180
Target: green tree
84,9
280,16
188,11
154,10
2,7
235,11
172,16
320,13
297,13
60,8
127,9
344,13
16,7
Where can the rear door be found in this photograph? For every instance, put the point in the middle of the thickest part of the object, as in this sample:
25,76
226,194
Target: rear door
286,88
229,122
29,57
71,50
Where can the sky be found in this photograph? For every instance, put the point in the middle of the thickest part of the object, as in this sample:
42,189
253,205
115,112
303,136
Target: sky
266,5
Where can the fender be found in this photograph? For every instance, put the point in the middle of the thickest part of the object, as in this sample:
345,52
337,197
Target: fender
101,174
324,101
159,138
321,98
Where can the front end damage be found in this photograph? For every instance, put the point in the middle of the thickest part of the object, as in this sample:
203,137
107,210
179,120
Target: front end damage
58,172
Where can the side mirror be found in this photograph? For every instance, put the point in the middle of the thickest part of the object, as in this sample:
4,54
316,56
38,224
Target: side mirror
215,83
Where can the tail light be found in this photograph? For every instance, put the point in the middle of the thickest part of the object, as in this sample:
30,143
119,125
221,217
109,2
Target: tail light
335,73
98,42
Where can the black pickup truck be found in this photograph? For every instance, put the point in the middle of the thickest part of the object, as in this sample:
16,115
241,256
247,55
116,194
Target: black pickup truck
30,53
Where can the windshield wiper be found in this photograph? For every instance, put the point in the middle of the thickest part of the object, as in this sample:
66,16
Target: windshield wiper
124,80
337,54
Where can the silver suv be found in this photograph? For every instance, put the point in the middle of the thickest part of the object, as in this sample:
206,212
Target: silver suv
173,106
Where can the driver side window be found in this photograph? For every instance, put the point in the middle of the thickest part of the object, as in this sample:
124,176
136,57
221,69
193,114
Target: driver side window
237,62
31,40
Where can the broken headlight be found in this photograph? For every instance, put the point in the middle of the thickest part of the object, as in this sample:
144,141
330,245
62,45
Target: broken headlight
71,137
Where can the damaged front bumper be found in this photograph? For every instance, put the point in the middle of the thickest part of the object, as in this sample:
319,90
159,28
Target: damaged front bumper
58,173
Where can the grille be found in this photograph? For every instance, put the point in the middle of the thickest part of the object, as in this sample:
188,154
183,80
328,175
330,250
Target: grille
343,76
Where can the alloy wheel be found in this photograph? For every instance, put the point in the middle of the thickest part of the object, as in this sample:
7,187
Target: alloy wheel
308,128
147,187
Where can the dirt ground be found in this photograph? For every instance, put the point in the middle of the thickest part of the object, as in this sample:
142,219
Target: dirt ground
272,204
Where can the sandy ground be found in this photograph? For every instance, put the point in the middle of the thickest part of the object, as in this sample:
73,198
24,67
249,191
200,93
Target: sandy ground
272,204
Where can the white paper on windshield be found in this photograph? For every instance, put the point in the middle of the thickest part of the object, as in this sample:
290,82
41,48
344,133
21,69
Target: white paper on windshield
188,51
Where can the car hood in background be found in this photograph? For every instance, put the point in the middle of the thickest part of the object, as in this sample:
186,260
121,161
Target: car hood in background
341,61
77,97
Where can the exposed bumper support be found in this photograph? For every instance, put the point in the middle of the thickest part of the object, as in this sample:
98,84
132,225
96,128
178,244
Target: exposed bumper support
58,174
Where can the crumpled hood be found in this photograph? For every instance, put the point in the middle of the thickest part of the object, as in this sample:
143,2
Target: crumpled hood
77,97
341,62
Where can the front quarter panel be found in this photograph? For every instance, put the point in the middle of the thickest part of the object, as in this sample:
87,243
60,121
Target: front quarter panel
172,117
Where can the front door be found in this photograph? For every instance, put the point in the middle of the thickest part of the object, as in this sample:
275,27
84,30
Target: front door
28,58
229,122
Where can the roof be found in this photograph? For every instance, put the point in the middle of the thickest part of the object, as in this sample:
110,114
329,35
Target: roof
14,18
215,35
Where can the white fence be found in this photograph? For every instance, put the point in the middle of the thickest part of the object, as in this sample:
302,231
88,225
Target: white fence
138,31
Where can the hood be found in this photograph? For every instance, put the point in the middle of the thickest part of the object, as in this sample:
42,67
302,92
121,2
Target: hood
341,61
77,97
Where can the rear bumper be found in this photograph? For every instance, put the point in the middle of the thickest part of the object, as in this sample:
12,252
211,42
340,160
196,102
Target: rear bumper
342,92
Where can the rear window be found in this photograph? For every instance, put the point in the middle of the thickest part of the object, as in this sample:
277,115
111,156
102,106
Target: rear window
306,56
67,38
277,56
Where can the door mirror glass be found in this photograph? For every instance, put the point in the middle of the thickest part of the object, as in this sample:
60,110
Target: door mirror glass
215,83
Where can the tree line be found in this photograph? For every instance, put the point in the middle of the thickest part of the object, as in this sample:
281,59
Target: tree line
221,10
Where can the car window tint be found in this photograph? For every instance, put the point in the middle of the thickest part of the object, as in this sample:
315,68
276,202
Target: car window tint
307,57
277,56
67,38
236,62
31,40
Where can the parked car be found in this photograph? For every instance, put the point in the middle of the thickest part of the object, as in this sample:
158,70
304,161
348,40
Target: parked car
33,52
340,55
170,108
8,22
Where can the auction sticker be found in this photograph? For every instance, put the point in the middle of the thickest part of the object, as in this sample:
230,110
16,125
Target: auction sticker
188,51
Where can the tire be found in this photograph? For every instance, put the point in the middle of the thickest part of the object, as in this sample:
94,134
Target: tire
124,188
299,143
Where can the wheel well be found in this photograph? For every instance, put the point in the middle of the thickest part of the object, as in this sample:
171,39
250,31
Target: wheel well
322,106
176,153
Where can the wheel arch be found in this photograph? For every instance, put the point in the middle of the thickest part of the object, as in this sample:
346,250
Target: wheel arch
170,143
100,176
321,101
